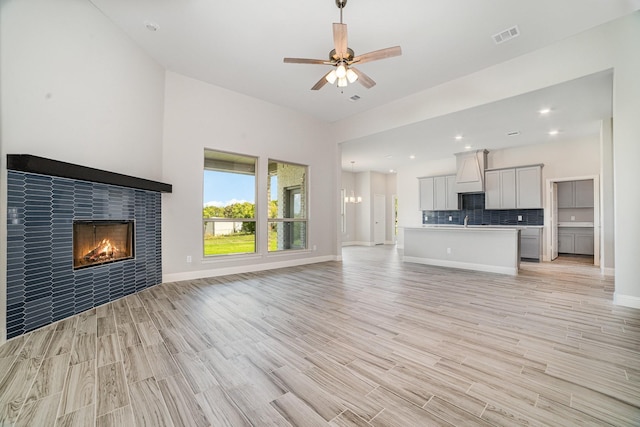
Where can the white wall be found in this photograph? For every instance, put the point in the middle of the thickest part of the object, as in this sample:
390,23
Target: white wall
610,46
199,116
74,88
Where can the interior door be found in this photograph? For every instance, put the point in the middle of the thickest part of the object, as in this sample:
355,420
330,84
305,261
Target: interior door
379,219
554,221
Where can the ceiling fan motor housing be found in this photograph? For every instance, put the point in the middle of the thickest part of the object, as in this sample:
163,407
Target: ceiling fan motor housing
341,3
333,56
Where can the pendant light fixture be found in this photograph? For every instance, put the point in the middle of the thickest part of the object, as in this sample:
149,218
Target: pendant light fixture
352,198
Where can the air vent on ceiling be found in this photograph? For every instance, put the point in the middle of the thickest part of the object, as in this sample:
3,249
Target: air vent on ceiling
354,98
506,35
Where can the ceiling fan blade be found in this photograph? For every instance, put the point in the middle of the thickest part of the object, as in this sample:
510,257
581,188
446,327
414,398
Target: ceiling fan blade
340,40
389,52
305,61
364,80
321,82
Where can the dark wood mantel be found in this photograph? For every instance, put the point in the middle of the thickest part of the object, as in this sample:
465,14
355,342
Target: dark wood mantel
44,166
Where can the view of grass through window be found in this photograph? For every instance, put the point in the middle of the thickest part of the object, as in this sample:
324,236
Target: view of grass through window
228,212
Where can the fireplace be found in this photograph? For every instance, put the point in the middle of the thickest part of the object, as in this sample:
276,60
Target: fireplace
100,242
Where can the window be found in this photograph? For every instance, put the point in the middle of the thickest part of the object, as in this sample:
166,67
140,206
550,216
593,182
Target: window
287,196
228,211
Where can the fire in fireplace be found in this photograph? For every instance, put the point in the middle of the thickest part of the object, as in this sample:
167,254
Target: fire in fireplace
99,242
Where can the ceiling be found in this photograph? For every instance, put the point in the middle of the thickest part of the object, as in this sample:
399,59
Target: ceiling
576,109
240,45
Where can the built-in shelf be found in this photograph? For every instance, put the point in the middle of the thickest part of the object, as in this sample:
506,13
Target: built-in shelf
576,224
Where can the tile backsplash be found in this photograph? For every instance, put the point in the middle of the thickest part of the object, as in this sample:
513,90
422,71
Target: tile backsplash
472,205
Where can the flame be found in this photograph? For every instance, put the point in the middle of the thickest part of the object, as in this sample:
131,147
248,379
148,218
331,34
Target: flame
105,250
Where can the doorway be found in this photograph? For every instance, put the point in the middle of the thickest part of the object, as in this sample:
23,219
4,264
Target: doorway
573,219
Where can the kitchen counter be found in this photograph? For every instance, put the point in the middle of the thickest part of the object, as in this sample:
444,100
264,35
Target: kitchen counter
493,249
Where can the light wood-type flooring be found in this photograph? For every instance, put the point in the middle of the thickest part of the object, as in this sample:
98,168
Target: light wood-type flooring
369,341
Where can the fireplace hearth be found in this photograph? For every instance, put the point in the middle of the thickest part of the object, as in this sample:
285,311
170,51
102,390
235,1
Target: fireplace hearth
100,242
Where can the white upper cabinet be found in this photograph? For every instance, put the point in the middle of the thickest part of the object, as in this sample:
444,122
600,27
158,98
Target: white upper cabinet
514,188
437,193
575,194
584,193
426,194
529,187
500,189
452,195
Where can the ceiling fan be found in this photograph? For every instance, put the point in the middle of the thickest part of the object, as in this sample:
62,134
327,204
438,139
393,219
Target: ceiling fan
342,58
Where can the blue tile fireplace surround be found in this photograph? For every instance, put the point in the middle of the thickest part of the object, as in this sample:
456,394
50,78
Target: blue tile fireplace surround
44,198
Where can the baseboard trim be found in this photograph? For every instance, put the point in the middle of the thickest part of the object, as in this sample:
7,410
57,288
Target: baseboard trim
225,271
357,243
626,300
608,271
463,265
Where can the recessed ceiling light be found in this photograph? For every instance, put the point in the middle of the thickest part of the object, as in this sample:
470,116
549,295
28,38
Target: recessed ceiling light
389,156
554,132
544,111
458,137
467,147
151,26
391,171
412,157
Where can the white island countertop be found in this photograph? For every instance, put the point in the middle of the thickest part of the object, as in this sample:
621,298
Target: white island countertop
493,249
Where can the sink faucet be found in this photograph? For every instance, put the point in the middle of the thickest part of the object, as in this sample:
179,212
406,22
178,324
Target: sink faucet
466,220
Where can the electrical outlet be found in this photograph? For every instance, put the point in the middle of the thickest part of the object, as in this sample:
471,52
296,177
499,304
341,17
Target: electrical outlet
448,251
188,259
573,218
519,217
450,218
315,248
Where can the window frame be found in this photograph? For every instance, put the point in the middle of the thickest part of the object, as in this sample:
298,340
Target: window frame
285,220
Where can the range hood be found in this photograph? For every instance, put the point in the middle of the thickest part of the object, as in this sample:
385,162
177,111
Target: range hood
470,171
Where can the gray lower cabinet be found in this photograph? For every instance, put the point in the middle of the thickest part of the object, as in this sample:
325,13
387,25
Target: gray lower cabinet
530,243
575,240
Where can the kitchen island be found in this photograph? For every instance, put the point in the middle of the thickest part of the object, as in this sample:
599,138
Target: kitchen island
490,249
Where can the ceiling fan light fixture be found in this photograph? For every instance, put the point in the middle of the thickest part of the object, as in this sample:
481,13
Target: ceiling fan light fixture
341,71
351,76
331,77
342,82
